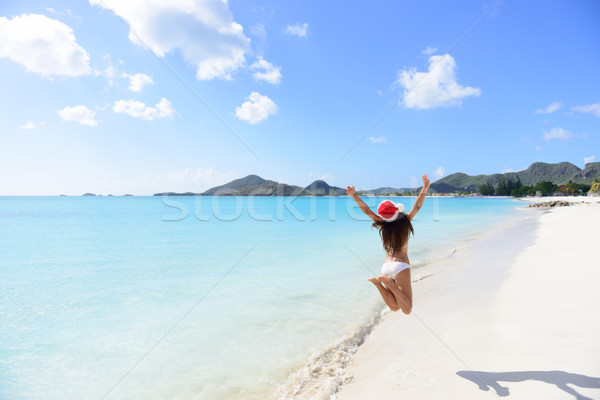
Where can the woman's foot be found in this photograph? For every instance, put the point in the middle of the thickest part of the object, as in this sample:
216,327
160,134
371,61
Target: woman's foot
375,281
388,281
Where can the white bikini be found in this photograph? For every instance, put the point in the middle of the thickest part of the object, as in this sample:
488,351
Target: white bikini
393,268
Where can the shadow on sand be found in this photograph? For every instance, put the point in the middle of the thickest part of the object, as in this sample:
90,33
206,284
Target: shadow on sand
487,380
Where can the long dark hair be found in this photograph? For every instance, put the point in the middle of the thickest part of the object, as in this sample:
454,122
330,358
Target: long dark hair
394,235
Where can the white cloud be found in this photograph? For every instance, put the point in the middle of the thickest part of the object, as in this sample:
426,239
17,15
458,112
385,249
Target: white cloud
538,148
28,125
265,71
593,109
379,139
109,71
66,12
439,172
506,170
137,109
550,109
138,81
558,133
589,159
204,32
81,114
42,45
300,30
256,109
429,50
436,88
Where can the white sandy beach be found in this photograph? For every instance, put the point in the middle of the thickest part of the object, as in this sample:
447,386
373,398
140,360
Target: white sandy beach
516,314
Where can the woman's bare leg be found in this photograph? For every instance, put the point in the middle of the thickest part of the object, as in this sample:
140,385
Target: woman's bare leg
387,295
402,300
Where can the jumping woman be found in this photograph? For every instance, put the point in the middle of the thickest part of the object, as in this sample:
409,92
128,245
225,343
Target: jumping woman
394,229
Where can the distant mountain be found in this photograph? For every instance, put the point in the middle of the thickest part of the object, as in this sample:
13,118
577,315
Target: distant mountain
559,173
270,188
390,190
587,175
254,185
251,185
460,181
320,187
237,184
177,194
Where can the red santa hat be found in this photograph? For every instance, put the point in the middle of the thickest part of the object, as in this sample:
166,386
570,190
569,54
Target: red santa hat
390,211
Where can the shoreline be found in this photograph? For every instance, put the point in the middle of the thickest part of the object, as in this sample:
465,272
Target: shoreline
328,372
569,199
457,337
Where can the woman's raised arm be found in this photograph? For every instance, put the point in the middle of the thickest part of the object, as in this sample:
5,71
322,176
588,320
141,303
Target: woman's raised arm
420,198
363,206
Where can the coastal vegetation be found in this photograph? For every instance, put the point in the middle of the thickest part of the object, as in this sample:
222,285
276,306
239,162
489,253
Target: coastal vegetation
508,187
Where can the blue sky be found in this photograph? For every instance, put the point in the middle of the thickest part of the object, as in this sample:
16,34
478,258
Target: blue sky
140,96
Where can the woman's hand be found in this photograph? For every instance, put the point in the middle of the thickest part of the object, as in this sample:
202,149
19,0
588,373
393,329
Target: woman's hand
425,181
350,191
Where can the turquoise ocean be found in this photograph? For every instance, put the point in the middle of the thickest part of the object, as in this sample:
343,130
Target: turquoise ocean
196,297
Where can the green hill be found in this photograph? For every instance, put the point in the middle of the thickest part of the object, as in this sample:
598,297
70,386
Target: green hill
390,190
237,184
256,186
320,187
251,185
559,173
460,181
587,175
271,188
